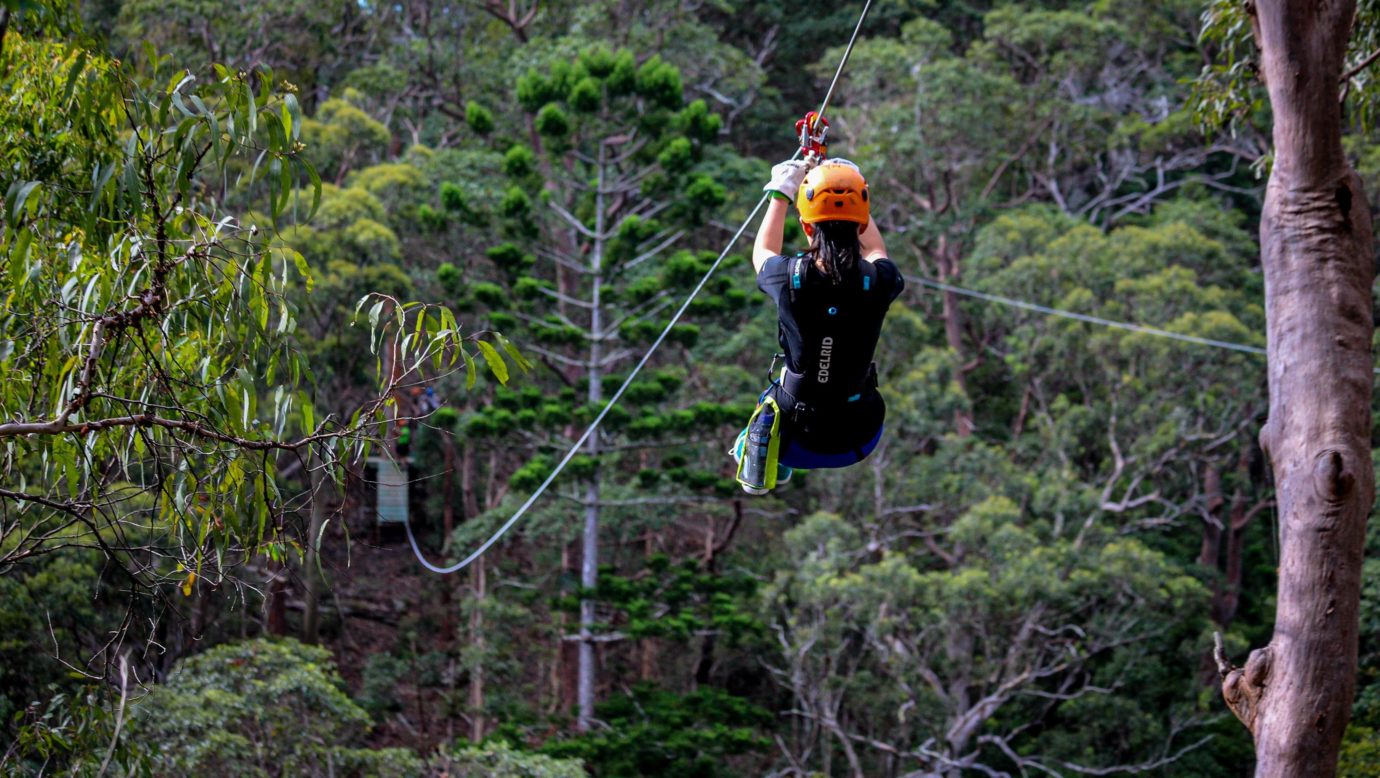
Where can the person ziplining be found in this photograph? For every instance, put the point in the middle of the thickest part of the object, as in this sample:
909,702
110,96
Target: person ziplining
824,410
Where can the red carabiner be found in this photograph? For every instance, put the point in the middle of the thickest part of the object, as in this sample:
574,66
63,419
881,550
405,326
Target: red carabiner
812,131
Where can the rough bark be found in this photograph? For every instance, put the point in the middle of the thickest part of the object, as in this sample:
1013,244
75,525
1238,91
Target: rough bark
1295,694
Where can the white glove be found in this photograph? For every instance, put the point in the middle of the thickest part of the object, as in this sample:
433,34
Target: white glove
786,178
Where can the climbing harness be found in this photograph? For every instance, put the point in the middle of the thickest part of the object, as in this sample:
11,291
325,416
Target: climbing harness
617,395
799,399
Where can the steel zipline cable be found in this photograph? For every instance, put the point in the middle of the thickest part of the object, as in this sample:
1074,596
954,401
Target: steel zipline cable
1083,317
594,425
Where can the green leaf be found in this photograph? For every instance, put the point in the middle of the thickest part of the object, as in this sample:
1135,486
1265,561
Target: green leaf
514,354
261,282
19,258
374,324
16,198
315,187
496,364
73,74
303,269
181,106
289,116
471,374
253,126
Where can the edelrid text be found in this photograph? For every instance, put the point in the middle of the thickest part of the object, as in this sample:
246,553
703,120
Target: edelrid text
826,351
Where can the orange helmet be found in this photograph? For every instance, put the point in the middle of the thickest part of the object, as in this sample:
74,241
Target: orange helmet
833,191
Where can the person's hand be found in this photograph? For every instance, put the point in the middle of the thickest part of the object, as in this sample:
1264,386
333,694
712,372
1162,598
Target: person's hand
786,178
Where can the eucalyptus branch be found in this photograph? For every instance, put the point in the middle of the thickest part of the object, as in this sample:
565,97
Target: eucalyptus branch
1360,66
197,429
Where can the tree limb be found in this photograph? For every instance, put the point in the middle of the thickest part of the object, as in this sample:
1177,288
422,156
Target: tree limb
1362,65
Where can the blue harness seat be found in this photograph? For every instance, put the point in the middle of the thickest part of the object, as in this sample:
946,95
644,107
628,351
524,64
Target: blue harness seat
797,456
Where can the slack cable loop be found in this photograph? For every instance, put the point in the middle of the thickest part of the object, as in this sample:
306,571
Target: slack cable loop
592,425
522,511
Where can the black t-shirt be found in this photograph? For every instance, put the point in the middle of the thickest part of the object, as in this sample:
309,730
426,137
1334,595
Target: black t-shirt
829,332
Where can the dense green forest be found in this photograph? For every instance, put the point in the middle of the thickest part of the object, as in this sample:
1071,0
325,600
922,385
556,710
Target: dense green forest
240,237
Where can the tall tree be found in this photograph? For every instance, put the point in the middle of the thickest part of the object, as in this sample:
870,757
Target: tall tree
616,205
1318,254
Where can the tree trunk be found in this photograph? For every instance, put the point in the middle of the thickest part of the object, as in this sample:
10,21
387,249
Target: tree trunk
277,598
589,578
468,493
649,663
448,627
589,560
566,673
4,27
311,580
706,662
1295,694
947,260
479,581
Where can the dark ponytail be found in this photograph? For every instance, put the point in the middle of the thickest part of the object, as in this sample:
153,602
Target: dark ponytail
836,244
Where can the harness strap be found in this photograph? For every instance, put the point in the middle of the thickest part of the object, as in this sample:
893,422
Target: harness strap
800,264
793,385
869,273
798,274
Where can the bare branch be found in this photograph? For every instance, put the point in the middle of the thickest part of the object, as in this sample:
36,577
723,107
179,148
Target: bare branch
576,223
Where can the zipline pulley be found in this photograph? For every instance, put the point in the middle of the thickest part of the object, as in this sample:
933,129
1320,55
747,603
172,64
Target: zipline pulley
812,131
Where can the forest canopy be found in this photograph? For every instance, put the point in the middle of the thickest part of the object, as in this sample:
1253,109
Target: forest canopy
257,255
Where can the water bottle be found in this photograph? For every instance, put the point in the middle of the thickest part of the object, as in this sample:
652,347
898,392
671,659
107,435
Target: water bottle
754,478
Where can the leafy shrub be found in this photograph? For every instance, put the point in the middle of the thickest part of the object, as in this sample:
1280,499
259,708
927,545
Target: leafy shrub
656,732
261,708
378,692
499,760
552,122
479,118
